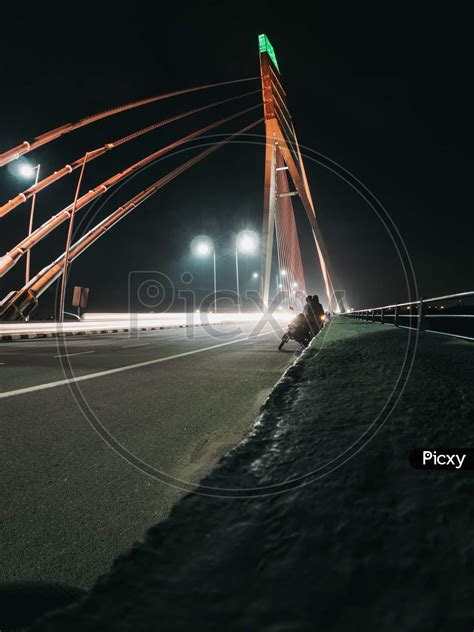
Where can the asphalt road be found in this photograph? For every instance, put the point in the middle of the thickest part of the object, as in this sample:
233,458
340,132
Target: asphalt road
360,541
100,435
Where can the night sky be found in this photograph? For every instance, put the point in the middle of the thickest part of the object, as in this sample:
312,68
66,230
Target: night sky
385,91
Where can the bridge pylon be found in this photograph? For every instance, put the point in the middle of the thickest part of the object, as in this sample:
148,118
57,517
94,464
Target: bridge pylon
282,148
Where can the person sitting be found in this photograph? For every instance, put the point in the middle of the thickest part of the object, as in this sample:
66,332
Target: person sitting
310,315
317,310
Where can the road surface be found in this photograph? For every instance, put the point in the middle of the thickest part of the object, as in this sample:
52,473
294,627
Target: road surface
174,400
359,541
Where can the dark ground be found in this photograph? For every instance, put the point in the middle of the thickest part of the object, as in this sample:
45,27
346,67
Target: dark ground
371,545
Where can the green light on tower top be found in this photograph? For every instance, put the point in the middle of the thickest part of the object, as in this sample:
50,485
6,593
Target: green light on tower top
266,47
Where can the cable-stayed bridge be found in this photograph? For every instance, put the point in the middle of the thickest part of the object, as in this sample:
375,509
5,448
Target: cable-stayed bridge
284,178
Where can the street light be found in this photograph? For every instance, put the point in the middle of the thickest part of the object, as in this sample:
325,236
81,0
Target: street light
202,247
247,243
62,291
255,275
28,171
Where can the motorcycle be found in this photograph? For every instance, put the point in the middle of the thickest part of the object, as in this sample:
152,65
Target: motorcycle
298,331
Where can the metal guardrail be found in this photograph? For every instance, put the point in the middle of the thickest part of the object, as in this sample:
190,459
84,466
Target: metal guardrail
419,310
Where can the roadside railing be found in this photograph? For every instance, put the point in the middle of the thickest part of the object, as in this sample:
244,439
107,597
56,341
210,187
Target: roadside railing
450,315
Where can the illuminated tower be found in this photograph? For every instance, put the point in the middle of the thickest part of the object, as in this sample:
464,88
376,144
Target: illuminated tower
282,153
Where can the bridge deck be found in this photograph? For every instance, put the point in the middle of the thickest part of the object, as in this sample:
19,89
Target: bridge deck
372,544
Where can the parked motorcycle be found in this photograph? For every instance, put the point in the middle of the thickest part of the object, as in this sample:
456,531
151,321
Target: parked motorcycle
298,331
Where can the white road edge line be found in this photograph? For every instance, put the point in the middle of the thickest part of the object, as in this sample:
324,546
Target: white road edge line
68,355
128,367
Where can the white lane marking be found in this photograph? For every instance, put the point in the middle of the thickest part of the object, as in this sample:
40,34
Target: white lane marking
2,363
120,369
68,355
162,339
20,345
140,344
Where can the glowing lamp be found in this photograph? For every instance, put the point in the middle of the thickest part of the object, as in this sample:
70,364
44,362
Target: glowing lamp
247,242
26,170
202,246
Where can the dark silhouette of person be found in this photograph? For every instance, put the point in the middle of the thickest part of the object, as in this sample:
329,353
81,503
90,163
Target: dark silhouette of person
318,310
310,315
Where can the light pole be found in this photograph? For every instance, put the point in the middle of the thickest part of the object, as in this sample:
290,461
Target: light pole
62,295
237,278
27,171
203,247
284,282
294,287
215,279
247,243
